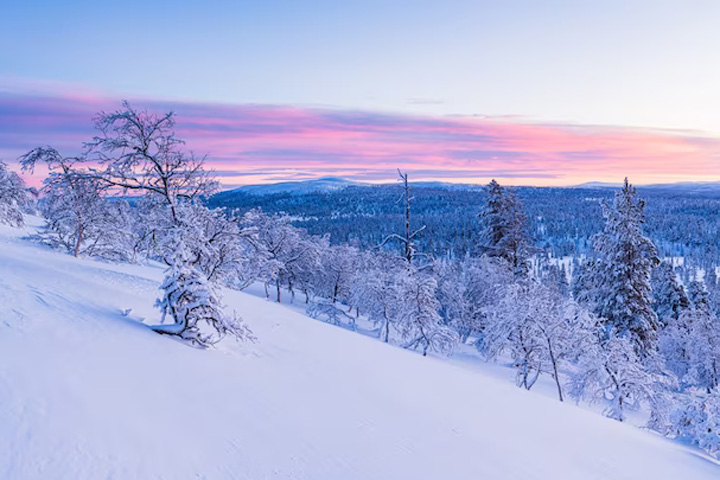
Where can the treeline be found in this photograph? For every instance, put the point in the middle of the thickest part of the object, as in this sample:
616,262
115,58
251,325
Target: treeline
627,331
681,222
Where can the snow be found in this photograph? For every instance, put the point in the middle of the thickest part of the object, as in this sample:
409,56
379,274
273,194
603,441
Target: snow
89,393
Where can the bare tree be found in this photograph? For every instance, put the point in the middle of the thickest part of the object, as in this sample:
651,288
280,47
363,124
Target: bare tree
139,152
408,240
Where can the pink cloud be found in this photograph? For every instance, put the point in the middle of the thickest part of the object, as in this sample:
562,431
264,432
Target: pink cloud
254,143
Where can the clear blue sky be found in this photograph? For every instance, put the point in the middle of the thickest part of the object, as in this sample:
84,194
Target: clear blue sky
633,63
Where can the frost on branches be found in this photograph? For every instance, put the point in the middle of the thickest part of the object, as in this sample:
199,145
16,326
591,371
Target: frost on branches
505,231
542,331
13,197
616,283
611,370
79,218
697,420
419,322
194,306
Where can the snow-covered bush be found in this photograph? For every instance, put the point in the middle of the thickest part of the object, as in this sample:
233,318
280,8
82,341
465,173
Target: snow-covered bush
329,312
611,371
541,330
419,322
13,197
194,306
376,290
690,343
697,420
467,291
79,217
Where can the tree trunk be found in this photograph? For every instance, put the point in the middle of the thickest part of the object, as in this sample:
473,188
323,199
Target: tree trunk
277,287
79,240
555,370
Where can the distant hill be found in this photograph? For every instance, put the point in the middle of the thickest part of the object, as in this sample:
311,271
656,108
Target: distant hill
598,185
329,184
302,187
332,184
684,187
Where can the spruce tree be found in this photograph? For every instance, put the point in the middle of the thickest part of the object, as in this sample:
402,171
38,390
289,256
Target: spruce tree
505,230
669,297
619,277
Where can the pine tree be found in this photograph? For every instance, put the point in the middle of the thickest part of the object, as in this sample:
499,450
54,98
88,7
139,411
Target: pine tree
617,283
493,219
669,297
193,303
505,229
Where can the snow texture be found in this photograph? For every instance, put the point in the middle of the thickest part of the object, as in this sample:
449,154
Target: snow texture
89,392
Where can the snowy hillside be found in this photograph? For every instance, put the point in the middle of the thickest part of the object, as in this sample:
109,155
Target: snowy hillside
301,187
88,393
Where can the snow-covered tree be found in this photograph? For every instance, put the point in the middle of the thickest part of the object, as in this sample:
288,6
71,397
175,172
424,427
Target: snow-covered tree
691,344
505,230
377,291
408,240
292,254
419,322
79,218
697,419
13,197
467,291
668,295
610,369
193,304
541,330
140,153
616,283
338,265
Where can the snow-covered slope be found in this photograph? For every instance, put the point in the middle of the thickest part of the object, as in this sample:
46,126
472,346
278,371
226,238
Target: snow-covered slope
87,393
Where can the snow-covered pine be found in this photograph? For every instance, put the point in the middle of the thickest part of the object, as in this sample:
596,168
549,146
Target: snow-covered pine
493,219
194,305
668,295
615,284
13,197
505,228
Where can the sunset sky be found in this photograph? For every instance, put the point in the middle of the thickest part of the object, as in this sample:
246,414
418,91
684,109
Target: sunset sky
543,93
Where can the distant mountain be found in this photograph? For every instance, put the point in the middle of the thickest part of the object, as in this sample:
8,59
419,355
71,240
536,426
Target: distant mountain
685,187
598,185
302,187
329,184
333,184
678,187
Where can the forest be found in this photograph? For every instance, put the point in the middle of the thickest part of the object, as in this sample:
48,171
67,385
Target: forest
618,324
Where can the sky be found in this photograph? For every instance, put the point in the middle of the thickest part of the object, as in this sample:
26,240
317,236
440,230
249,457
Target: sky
543,93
